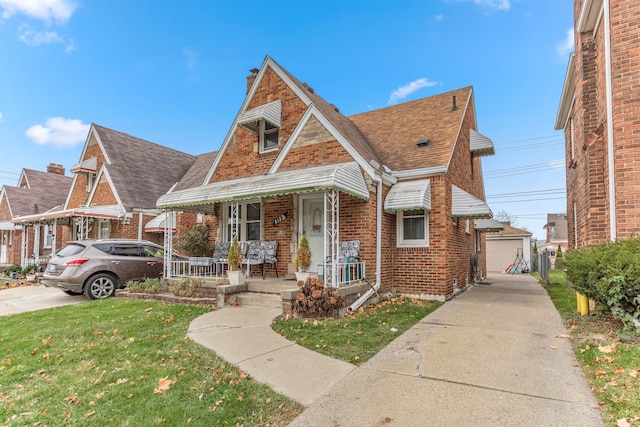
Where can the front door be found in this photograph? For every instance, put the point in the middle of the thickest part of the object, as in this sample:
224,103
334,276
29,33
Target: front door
4,246
312,225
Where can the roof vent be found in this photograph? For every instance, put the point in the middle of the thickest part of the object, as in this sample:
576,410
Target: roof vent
335,108
422,143
254,71
454,107
306,86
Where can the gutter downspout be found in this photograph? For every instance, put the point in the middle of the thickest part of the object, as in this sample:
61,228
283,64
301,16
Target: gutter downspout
364,297
610,145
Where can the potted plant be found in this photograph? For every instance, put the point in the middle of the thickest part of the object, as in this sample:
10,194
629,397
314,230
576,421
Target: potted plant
234,258
303,260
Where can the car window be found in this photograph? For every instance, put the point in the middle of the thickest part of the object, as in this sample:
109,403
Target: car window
153,251
70,250
104,247
125,250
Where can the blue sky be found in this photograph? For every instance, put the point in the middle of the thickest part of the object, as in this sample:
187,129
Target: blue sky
175,73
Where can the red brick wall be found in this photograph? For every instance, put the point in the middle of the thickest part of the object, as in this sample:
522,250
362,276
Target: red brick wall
79,192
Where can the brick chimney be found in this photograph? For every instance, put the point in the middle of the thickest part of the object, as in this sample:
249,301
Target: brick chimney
251,78
55,168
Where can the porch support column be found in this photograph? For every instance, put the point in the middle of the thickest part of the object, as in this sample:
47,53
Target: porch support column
332,235
168,244
24,247
235,221
36,243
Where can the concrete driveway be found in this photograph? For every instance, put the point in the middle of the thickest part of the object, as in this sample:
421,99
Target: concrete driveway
36,297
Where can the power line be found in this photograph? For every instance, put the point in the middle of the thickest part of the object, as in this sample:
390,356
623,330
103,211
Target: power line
523,193
529,200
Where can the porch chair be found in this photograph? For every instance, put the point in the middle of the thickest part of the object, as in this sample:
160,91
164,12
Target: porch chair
261,252
348,253
220,254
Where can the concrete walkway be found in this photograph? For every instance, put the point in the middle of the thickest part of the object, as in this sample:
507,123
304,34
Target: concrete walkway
489,357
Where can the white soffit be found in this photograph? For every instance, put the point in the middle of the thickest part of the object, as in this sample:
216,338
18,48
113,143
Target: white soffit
481,145
270,112
345,177
409,195
464,205
7,225
159,223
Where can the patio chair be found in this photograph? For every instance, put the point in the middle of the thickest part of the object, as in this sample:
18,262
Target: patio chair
261,252
348,254
220,253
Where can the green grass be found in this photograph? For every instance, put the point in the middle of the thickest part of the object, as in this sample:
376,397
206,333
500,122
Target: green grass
124,363
609,357
357,338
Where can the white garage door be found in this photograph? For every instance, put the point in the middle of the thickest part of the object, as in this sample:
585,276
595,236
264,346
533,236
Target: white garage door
502,253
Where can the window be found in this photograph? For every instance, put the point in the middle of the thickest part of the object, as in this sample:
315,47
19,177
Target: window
249,218
268,137
413,228
104,227
48,235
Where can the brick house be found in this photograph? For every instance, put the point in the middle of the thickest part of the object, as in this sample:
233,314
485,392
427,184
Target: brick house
36,193
599,112
115,187
405,181
556,233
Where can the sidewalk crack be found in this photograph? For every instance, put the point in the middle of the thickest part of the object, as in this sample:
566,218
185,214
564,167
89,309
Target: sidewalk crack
420,360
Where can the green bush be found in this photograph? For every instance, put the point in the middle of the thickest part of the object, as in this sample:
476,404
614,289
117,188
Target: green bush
609,274
13,268
188,287
29,269
193,240
149,286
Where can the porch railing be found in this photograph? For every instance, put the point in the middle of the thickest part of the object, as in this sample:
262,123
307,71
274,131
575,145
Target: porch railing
191,269
348,272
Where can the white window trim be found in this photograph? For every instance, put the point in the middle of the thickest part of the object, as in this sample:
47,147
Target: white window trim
47,231
263,132
411,243
242,222
108,228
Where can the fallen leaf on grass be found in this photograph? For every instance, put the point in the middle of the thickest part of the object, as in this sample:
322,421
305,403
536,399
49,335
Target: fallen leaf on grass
607,348
163,385
562,336
633,373
623,422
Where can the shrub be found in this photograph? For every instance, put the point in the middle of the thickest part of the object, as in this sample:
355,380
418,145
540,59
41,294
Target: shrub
14,268
609,274
303,255
188,287
29,269
234,257
317,300
149,286
193,240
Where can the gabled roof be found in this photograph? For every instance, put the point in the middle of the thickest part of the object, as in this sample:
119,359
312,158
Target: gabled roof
393,132
140,171
510,231
197,172
45,191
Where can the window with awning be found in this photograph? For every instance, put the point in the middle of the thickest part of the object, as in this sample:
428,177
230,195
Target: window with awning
263,121
464,205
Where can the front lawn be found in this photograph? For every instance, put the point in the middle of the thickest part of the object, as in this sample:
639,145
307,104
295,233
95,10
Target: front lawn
124,362
358,337
609,356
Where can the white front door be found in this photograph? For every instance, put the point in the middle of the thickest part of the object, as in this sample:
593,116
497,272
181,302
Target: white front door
312,225
4,246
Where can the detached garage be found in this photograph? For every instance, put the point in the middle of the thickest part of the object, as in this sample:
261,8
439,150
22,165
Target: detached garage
503,248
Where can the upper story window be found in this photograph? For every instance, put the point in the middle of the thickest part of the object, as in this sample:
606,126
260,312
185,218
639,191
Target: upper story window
263,121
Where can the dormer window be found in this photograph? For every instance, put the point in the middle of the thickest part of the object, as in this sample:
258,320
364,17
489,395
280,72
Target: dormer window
263,121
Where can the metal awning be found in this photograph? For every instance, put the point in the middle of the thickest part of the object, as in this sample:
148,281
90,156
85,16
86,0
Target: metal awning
159,223
464,205
487,225
7,225
270,113
409,195
87,166
345,177
481,145
106,212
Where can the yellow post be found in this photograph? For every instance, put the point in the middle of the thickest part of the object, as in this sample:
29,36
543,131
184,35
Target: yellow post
583,304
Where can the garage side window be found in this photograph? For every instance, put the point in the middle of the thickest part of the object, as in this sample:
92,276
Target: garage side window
413,228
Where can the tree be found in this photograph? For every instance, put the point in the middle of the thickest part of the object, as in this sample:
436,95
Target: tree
535,248
504,216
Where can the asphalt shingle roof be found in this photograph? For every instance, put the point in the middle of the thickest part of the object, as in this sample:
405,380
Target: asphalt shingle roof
46,191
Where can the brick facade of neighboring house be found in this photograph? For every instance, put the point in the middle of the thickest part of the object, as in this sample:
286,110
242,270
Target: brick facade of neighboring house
116,183
36,193
411,168
599,113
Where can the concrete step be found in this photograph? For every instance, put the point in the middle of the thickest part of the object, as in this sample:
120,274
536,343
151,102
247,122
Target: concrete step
270,287
259,300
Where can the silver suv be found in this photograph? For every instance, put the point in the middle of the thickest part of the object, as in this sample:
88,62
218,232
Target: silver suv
98,267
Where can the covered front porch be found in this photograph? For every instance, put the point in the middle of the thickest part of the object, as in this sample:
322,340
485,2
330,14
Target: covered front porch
279,208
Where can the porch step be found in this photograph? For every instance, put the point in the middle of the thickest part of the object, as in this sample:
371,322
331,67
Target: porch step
270,286
260,300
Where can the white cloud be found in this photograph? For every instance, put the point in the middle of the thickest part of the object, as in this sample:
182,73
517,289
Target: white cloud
438,17
491,4
36,38
566,46
1,118
49,11
59,131
406,90
192,57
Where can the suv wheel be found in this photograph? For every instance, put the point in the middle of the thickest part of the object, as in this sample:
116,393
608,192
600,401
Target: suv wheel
100,286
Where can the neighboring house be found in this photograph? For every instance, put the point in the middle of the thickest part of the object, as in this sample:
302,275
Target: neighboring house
599,112
405,181
115,187
509,246
556,228
36,193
